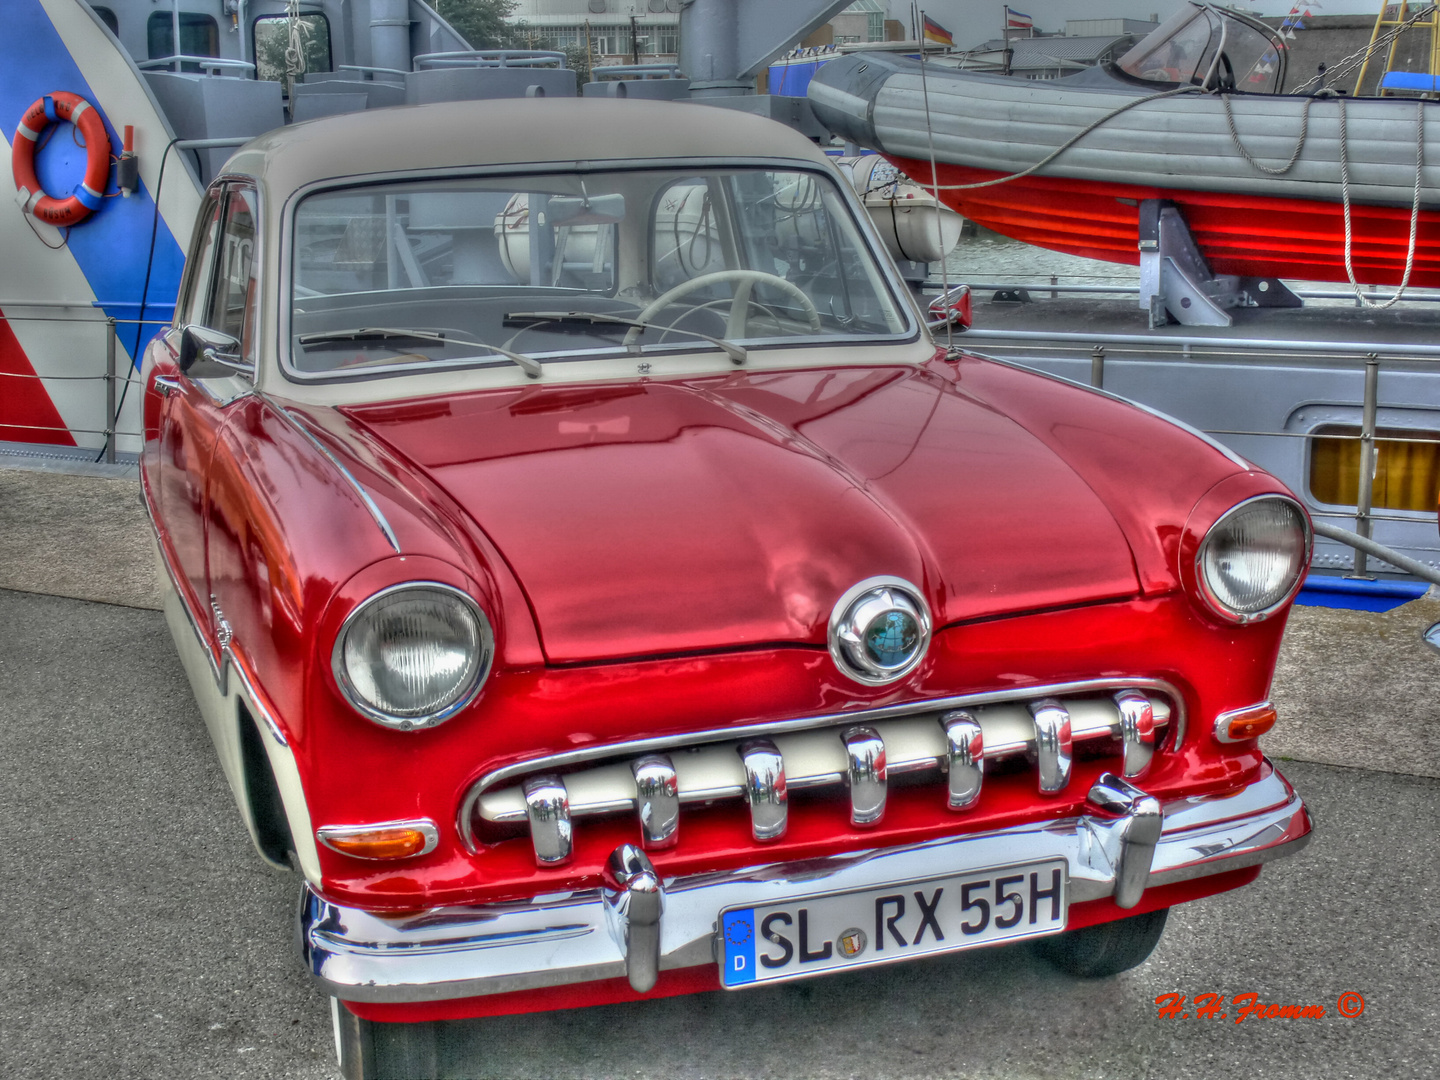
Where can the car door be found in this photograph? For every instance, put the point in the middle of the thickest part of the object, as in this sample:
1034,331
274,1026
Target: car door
220,295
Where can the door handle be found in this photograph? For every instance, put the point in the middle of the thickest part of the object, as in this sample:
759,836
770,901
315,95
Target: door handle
165,386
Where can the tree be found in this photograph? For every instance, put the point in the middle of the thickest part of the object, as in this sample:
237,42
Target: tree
480,22
484,24
578,58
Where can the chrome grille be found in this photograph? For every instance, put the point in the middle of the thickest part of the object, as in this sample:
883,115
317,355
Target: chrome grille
761,765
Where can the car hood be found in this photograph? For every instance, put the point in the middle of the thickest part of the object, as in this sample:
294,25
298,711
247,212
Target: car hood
732,512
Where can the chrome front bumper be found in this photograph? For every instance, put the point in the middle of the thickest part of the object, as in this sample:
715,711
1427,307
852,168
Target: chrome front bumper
638,925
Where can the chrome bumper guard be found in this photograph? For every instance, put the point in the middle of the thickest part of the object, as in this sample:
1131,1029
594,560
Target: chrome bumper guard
637,925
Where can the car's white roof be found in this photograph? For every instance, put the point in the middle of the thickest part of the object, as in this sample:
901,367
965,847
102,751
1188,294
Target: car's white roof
508,131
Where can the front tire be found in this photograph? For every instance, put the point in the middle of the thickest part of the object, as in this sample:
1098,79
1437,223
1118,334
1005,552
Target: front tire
1109,948
370,1050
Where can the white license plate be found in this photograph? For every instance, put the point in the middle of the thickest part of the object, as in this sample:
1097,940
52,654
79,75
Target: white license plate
890,923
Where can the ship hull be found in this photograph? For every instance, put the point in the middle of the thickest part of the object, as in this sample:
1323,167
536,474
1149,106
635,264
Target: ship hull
1261,179
1249,235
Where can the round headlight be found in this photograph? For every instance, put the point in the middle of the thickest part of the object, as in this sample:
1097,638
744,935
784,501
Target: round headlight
879,631
413,655
1253,558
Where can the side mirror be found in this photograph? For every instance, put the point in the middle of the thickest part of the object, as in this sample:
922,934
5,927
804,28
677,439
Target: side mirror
1431,636
952,308
210,354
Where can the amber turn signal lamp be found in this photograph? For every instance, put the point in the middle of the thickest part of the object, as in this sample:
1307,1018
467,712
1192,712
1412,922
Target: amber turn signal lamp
1241,724
390,840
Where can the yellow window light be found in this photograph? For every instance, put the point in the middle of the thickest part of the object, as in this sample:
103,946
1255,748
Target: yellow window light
1407,468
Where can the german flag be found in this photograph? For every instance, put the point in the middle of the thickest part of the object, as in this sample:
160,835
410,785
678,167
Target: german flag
935,32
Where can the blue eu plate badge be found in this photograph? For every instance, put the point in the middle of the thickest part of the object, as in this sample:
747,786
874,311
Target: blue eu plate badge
738,964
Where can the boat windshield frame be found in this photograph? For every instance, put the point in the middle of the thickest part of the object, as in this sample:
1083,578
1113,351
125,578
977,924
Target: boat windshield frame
903,325
1140,63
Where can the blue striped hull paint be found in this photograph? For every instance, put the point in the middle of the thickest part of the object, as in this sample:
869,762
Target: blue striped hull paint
112,245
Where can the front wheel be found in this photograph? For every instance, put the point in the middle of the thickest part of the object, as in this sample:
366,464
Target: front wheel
1106,948
369,1050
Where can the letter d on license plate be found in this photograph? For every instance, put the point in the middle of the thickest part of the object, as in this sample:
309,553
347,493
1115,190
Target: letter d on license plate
889,923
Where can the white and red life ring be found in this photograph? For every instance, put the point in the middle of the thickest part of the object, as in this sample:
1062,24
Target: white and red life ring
54,109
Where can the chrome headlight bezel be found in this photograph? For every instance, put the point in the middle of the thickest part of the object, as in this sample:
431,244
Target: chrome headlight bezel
855,611
1202,580
462,697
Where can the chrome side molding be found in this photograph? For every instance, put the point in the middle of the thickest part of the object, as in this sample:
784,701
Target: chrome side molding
634,900
303,429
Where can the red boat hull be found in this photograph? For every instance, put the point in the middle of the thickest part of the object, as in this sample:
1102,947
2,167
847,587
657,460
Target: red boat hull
1249,235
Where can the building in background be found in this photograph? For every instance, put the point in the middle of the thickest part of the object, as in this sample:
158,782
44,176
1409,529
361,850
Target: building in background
863,21
611,31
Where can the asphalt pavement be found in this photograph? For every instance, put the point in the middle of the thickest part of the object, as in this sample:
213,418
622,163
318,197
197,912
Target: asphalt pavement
141,937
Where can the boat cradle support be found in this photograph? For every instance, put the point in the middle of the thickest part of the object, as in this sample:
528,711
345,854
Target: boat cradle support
1176,282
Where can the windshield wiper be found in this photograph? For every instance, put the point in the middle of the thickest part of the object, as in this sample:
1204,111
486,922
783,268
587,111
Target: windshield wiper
735,352
527,364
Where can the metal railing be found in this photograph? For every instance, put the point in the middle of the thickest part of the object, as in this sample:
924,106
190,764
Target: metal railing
366,69
202,62
490,58
1055,288
112,378
636,71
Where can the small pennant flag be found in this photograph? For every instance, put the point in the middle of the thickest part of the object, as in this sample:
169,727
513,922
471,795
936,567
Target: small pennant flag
935,32
1017,20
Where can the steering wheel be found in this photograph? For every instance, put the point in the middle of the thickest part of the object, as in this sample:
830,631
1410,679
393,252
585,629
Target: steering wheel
745,282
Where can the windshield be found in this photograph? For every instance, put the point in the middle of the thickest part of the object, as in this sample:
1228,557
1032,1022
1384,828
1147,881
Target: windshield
521,270
1209,47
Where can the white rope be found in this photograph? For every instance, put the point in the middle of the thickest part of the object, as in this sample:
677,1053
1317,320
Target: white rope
1059,149
1299,145
936,187
294,44
1414,208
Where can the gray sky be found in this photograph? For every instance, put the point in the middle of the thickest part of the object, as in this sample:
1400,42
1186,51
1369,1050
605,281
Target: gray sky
974,21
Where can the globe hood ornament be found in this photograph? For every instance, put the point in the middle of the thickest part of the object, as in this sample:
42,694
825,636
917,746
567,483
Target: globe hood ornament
879,630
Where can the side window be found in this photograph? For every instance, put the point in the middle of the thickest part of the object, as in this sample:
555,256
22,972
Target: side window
199,35
200,267
232,306
271,38
686,234
107,17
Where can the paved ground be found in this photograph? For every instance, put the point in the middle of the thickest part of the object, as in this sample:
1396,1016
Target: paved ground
83,536
142,938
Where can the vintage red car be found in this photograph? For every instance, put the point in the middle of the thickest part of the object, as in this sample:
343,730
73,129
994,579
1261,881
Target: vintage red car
600,585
